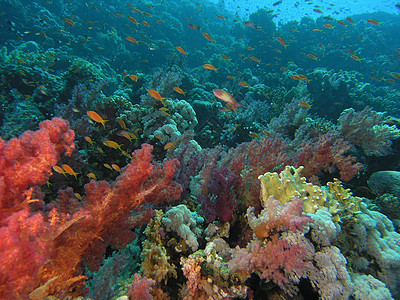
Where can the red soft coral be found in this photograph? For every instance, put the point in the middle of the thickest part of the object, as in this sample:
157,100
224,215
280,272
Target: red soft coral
328,153
272,260
104,218
27,161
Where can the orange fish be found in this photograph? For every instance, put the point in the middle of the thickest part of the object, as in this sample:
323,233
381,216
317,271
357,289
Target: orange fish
194,27
131,39
89,140
312,56
243,83
355,57
91,175
69,170
145,23
318,10
295,77
225,57
221,17
395,75
180,49
156,95
59,170
253,58
227,97
112,144
133,20
373,22
108,166
305,104
96,117
281,41
179,90
134,77
169,145
116,167
210,67
303,77
230,77
121,123
207,36
350,20
69,22
328,26
250,24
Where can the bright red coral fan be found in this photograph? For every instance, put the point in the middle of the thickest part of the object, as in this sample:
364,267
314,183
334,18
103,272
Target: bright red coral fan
54,244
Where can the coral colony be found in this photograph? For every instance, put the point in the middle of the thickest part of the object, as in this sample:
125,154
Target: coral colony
177,150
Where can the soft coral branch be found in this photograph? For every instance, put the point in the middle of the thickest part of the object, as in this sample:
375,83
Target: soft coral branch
53,244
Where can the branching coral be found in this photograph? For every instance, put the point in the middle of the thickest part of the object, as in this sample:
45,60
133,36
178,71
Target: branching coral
367,130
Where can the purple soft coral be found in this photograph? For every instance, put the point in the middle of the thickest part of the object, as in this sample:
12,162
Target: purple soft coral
220,200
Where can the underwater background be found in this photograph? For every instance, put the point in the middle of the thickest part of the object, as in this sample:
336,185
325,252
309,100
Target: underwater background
199,150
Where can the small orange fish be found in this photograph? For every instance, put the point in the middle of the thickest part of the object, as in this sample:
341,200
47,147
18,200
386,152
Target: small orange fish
112,144
194,27
230,77
169,145
131,39
69,170
243,83
318,10
295,77
253,58
180,49
207,36
133,20
305,104
116,168
156,95
303,77
254,135
121,123
96,117
227,97
221,17
145,24
89,140
210,67
59,170
312,56
328,26
134,77
92,176
250,24
355,57
281,41
78,196
126,135
225,57
350,20
69,22
179,90
108,166
373,22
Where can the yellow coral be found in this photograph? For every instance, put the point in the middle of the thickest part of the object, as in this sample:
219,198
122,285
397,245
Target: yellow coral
289,183
155,260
